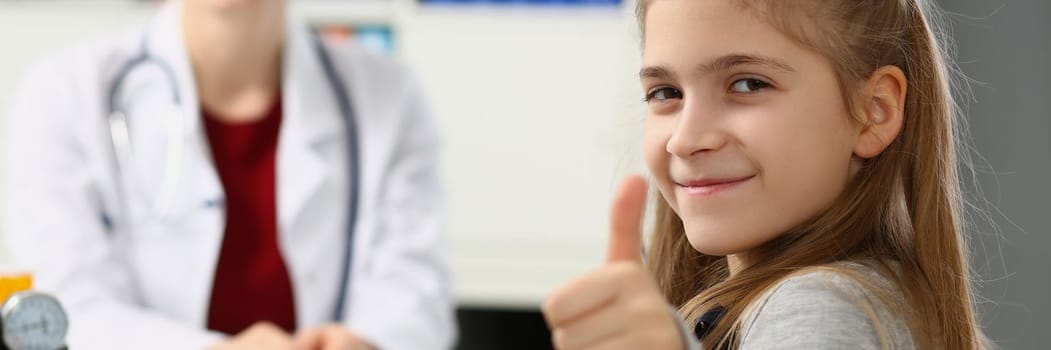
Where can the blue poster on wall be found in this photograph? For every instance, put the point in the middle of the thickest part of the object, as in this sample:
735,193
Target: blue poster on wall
376,38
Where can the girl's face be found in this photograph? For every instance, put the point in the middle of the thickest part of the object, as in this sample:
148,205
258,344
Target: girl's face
747,135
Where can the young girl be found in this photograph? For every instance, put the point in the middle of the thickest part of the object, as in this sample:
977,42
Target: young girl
804,153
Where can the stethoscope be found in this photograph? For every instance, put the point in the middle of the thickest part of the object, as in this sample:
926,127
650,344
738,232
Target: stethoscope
159,207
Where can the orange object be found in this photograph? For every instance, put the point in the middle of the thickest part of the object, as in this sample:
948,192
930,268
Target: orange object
11,283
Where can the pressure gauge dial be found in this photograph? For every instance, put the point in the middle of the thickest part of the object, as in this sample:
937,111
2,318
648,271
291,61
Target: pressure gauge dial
33,321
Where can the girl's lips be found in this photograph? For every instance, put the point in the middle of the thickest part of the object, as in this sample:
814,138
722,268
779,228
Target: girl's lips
708,187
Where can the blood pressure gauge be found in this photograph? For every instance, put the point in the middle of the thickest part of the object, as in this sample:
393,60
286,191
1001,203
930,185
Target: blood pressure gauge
33,321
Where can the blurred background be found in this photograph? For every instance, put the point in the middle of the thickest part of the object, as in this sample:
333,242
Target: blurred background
540,110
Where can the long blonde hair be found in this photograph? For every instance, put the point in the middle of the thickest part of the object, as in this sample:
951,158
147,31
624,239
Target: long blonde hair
902,209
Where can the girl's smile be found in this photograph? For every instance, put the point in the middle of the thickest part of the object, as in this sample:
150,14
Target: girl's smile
706,187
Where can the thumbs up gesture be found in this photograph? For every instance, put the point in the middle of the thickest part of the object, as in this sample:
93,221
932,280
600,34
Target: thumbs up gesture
617,306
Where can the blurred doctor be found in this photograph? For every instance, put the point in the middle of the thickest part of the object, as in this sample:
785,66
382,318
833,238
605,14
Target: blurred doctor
221,178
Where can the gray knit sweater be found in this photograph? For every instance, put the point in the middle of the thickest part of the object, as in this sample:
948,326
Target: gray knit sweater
823,310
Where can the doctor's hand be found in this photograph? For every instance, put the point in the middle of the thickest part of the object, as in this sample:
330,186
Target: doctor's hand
617,306
330,337
260,336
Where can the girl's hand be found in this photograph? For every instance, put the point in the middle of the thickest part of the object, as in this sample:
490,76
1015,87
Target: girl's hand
617,306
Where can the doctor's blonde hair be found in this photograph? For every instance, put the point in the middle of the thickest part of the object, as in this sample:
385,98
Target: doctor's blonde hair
902,209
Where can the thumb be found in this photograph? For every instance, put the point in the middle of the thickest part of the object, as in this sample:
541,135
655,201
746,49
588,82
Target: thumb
625,239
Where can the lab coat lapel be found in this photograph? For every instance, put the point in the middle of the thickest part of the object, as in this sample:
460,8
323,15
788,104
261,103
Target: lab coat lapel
311,117
167,43
198,201
200,182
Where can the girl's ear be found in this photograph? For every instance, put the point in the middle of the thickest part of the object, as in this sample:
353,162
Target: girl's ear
883,109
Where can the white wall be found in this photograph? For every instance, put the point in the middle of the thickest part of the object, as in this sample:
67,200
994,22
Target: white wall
539,111
532,108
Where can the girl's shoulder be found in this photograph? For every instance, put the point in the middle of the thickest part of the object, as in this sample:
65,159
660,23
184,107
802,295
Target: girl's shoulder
844,305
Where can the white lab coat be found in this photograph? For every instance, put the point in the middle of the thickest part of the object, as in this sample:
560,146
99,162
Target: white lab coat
146,284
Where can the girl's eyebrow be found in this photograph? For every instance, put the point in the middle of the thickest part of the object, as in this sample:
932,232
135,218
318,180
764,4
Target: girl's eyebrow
655,72
720,63
732,60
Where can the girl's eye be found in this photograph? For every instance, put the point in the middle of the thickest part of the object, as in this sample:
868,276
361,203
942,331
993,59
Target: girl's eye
663,94
749,86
